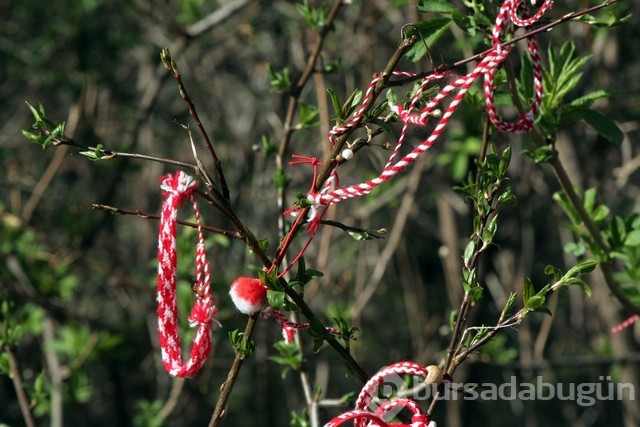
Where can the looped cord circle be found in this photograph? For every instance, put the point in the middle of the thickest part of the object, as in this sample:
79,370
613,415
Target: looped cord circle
510,10
363,416
176,189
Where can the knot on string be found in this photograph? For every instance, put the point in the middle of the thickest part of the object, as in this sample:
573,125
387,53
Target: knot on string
176,188
318,205
369,411
407,117
179,185
314,201
201,314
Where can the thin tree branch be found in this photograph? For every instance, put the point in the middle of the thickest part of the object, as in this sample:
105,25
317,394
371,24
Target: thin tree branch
16,377
106,154
216,17
292,107
146,215
171,66
479,56
376,234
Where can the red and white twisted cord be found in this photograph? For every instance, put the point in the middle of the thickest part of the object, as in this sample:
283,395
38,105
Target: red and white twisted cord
357,116
362,414
460,85
509,11
625,324
176,189
290,328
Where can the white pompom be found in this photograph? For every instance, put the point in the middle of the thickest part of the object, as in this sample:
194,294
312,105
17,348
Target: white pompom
347,154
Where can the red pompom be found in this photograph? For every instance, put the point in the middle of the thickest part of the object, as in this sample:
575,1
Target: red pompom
248,294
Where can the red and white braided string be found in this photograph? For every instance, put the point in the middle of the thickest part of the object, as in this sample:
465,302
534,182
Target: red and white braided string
625,324
176,189
511,10
290,328
362,415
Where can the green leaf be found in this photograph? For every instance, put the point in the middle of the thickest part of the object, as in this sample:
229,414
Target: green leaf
315,17
475,293
508,304
302,269
436,6
600,213
632,238
618,231
589,199
575,248
332,66
34,112
562,77
528,291
525,84
39,139
317,345
544,310
280,80
336,104
269,147
578,282
544,154
468,252
353,101
588,99
311,274
359,235
613,20
275,299
602,124
308,115
505,159
586,266
270,280
535,302
428,32
469,279
235,337
280,179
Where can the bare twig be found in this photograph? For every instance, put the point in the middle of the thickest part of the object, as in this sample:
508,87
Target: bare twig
232,375
177,386
146,215
479,56
105,154
292,107
16,377
376,234
214,18
171,66
54,369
